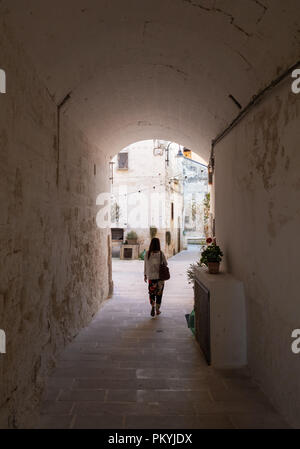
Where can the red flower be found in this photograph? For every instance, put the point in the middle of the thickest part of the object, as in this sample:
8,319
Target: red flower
209,240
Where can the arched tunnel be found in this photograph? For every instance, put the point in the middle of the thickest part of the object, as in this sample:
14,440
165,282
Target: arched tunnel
85,78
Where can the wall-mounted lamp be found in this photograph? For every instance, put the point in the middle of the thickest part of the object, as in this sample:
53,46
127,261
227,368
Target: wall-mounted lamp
180,153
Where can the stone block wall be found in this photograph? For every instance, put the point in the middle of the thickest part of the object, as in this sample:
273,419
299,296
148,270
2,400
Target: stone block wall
54,268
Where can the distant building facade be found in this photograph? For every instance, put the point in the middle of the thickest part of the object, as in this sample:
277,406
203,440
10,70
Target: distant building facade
147,195
157,188
196,198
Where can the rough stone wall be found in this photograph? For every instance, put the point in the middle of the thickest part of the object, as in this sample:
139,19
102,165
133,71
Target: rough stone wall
257,206
54,271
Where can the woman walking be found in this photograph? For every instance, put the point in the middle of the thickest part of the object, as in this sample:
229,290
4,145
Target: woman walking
154,257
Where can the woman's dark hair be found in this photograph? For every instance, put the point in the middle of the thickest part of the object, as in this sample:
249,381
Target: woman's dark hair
154,246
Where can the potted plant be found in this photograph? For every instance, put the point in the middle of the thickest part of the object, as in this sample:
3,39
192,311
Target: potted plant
211,256
142,255
131,238
191,271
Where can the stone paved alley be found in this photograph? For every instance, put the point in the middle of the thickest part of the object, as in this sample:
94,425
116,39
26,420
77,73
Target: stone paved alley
127,370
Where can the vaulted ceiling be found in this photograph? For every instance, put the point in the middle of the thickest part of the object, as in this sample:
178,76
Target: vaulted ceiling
139,69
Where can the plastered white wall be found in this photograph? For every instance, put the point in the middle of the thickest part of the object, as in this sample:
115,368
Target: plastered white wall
257,207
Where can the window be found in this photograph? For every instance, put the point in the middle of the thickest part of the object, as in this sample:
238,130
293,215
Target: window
117,234
168,238
123,161
127,253
172,211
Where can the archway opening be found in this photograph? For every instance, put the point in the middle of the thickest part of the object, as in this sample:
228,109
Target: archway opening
159,189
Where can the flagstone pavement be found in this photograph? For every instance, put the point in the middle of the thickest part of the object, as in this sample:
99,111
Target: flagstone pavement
127,370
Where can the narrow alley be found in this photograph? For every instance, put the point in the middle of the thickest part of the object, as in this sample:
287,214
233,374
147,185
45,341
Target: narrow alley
128,370
213,86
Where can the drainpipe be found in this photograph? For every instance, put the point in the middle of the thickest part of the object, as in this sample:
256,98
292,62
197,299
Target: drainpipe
59,106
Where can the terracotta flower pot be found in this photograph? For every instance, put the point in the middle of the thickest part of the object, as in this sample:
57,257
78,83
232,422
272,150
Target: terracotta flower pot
132,241
213,267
